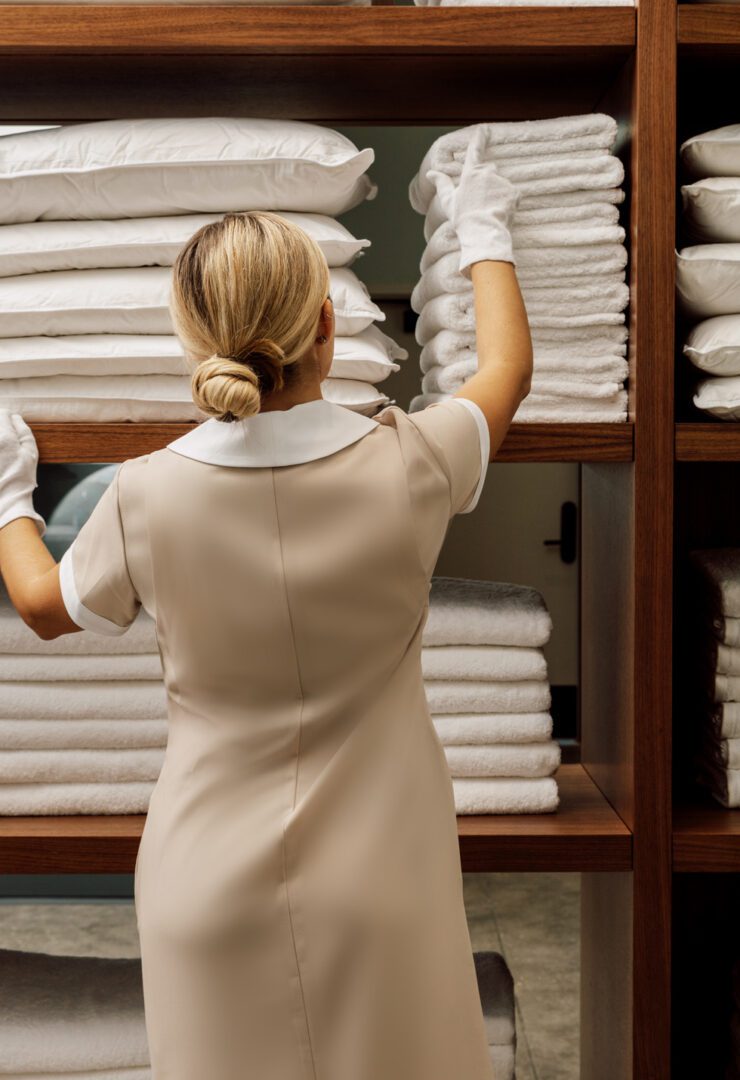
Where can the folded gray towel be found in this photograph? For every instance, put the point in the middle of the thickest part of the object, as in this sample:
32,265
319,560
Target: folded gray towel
471,612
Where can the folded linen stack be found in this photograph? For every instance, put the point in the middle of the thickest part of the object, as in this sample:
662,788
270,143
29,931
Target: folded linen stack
84,719
485,677
708,271
570,256
716,591
75,1017
92,217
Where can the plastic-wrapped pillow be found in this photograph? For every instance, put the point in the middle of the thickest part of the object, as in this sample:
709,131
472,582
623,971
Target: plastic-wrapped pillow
708,279
714,345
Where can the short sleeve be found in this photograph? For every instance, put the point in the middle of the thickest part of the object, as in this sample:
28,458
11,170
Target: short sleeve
456,432
97,589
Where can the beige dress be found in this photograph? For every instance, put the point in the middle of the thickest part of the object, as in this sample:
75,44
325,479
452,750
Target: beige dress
298,885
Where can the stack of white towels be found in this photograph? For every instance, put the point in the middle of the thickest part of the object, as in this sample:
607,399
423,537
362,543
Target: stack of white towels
570,256
716,594
708,271
83,1016
485,677
92,217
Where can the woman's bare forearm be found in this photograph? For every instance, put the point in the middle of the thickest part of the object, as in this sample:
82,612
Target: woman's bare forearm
31,576
504,347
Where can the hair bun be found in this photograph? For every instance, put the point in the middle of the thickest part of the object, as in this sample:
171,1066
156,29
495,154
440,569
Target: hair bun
226,388
266,358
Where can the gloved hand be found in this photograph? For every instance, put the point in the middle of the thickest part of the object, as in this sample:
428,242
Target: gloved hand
480,207
18,460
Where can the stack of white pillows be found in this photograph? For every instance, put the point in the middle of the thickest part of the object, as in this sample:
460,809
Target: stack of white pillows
92,217
708,271
570,257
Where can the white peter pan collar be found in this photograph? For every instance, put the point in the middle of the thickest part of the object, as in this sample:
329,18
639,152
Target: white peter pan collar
305,432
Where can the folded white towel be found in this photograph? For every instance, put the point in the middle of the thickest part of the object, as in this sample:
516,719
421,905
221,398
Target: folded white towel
723,783
525,3
472,612
33,667
504,759
17,637
604,212
64,1014
126,797
727,688
449,696
80,766
571,243
487,795
483,662
724,719
72,734
544,139
448,347
496,989
720,578
726,752
110,699
553,410
482,729
727,630
551,203
144,1073
593,335
503,1058
456,311
728,659
446,380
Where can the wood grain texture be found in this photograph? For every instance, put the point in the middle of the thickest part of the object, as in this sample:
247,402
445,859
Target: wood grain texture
706,839
707,442
709,24
84,442
192,29
584,834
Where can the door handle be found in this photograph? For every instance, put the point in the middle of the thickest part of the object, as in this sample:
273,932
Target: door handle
568,539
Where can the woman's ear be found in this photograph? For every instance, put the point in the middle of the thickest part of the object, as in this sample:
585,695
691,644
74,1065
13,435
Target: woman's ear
326,320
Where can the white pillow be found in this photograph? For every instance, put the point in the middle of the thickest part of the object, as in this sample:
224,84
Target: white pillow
144,168
713,153
358,396
712,209
368,356
133,301
708,279
719,396
714,345
39,246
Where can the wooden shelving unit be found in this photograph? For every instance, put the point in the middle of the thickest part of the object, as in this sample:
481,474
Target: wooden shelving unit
406,65
706,839
708,442
716,25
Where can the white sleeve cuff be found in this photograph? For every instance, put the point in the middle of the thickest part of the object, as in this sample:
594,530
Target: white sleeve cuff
485,449
78,613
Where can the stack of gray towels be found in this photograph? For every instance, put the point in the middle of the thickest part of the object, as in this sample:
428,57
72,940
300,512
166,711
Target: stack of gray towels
716,591
570,261
75,1016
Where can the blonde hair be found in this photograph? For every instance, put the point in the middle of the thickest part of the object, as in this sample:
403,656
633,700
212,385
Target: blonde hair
246,297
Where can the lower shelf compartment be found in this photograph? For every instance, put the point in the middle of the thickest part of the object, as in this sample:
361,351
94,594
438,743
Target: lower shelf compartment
107,442
585,834
706,838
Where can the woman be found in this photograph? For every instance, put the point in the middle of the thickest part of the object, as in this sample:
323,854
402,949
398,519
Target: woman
298,885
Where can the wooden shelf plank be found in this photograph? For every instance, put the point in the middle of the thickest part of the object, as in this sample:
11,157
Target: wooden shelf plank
60,442
117,28
708,442
585,834
706,839
709,24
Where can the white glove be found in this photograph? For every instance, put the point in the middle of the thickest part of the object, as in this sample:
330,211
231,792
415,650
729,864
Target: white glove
18,460
479,207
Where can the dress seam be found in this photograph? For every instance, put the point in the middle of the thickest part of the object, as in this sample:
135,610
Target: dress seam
295,783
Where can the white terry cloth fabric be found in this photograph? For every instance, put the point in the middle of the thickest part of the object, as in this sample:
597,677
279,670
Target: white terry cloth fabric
483,729
449,347
107,699
483,662
446,380
456,311
726,752
71,734
17,637
504,759
605,213
553,410
91,354
450,696
723,783
35,667
728,659
505,795
549,208
503,1058
727,630
125,797
143,397
720,572
135,300
145,1073
466,611
724,719
80,766
544,245
62,1014
552,138
727,688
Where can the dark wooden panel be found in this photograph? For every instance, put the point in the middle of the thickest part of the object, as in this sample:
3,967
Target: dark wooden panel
709,24
117,28
328,88
585,834
708,442
706,838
